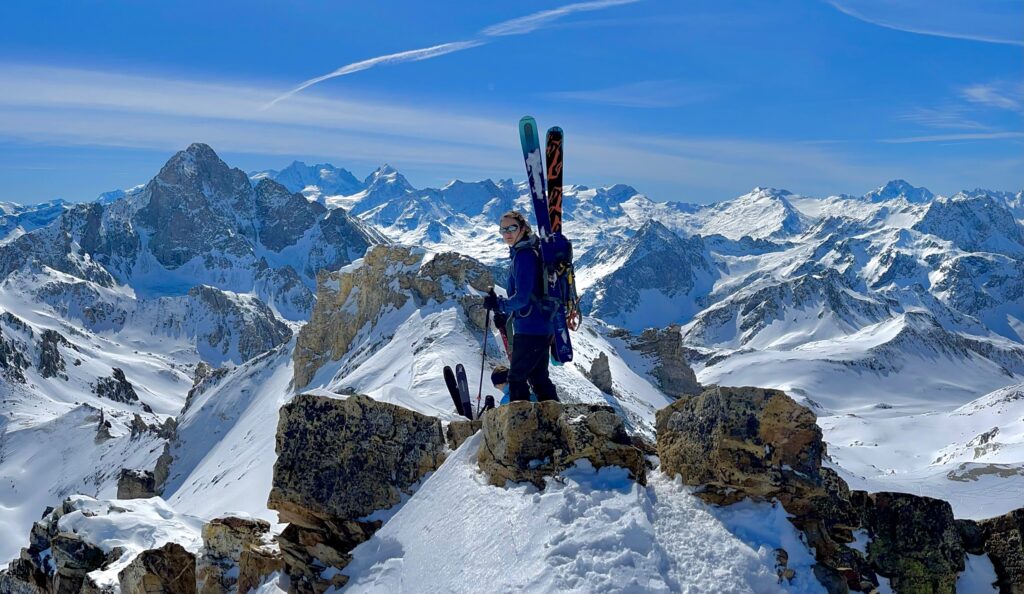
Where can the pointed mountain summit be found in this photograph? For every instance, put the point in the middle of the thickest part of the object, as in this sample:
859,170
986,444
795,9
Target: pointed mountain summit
899,188
383,185
651,280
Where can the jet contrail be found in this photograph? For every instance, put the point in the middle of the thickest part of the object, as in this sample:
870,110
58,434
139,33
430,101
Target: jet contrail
406,56
516,26
532,22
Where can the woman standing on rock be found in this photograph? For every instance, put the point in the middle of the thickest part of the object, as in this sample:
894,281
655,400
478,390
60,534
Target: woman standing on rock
532,322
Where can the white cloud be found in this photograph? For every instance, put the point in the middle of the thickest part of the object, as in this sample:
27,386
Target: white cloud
953,137
644,94
992,21
947,117
68,107
994,95
538,20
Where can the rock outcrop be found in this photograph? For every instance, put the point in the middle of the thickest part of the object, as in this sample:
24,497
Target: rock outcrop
237,554
55,561
236,327
457,432
51,363
524,441
116,387
169,569
750,442
736,443
601,374
741,442
355,298
914,541
1003,540
339,460
13,361
665,348
136,484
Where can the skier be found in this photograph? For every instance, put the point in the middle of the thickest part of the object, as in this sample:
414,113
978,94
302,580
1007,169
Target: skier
499,378
532,319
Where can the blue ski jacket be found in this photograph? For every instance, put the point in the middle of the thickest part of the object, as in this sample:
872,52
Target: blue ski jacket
524,289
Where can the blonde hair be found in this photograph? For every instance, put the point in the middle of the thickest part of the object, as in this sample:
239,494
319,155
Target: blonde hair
520,220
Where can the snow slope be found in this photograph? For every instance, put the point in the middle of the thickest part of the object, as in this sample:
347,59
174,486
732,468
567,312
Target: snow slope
972,456
588,531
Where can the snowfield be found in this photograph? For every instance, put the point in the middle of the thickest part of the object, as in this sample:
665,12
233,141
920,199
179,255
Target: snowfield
587,531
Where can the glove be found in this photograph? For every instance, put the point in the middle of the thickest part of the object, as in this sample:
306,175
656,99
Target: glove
500,320
491,301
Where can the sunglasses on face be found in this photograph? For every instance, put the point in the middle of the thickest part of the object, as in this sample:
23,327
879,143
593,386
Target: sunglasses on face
510,229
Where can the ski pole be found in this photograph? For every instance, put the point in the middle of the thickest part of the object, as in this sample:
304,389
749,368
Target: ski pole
483,355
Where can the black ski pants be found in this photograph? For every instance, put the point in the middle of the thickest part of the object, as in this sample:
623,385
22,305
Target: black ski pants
530,364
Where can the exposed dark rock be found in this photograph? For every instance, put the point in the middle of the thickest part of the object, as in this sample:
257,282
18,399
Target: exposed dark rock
51,363
13,362
74,559
524,441
600,374
116,387
914,542
244,323
665,347
205,377
136,484
169,569
256,564
339,460
1004,543
458,432
225,540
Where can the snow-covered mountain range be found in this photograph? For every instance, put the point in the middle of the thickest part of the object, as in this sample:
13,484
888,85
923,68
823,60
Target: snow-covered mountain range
159,327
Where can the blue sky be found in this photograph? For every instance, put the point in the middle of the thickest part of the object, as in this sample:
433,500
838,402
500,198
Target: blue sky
696,101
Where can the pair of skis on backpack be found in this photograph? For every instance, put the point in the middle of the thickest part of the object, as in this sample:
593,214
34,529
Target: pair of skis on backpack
458,387
556,251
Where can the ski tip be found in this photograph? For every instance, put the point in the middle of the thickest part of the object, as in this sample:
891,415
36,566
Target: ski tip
555,131
527,127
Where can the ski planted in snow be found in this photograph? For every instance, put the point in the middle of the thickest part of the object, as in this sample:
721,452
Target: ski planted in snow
553,247
453,389
467,404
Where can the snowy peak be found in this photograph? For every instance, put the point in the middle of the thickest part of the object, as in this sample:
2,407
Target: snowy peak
16,219
764,213
897,189
386,175
472,198
597,204
195,164
651,280
322,178
974,222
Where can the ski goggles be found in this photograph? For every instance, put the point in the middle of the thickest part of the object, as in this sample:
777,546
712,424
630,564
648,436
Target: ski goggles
510,229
